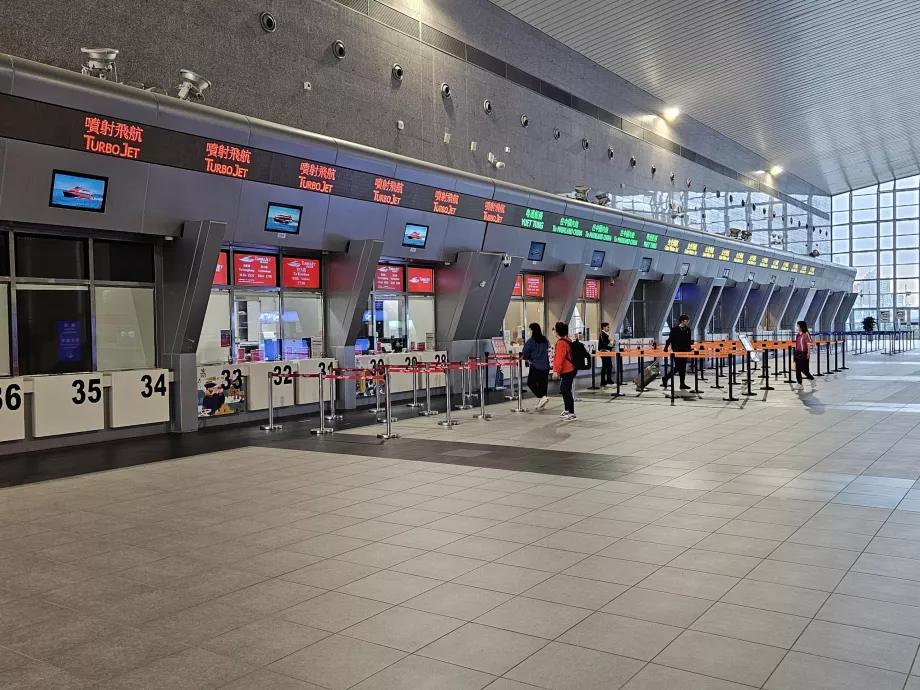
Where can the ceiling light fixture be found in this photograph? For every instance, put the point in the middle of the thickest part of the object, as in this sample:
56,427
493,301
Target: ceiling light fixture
670,114
776,170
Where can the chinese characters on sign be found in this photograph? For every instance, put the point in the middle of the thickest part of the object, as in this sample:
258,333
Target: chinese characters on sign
227,160
626,236
445,202
112,138
709,252
592,289
651,241
532,219
315,177
533,286
389,278
739,258
493,211
387,191
692,248
672,245
569,226
255,269
725,255
300,273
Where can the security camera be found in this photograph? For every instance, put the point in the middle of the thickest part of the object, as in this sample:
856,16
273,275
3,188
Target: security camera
584,144
487,106
500,165
398,72
506,260
632,161
100,63
338,49
654,170
688,183
609,153
192,85
525,121
556,133
268,22
671,177
445,90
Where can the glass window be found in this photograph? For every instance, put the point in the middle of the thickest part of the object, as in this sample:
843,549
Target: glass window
867,259
885,258
535,312
123,261
302,326
4,253
886,271
841,218
908,182
841,246
905,198
5,367
388,321
51,257
865,215
515,333
420,321
886,199
867,230
908,211
864,243
258,335
908,271
886,213
215,341
53,326
886,243
125,337
908,227
864,201
907,242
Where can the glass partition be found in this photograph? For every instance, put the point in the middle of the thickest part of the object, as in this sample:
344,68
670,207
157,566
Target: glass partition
125,337
257,325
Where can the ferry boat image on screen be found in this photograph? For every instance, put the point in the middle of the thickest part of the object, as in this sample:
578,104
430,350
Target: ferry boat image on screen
283,219
78,192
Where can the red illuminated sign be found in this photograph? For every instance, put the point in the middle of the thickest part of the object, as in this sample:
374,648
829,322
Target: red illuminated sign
387,191
533,286
518,287
300,273
315,177
389,278
112,138
220,273
591,289
255,269
420,279
494,211
227,160
445,202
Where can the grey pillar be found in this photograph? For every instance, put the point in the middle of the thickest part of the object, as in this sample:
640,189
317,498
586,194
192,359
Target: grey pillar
616,296
562,290
757,303
462,293
831,307
798,306
776,308
349,280
813,314
188,273
843,314
659,298
733,300
496,304
695,299
709,309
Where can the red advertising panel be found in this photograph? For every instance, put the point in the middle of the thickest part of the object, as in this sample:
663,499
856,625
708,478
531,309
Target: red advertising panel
420,279
533,286
389,278
592,289
220,273
300,273
518,287
257,270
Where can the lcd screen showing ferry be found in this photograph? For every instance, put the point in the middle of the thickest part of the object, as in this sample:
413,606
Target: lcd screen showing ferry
80,192
283,218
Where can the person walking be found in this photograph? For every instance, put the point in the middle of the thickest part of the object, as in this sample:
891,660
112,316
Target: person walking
604,344
564,370
802,354
536,354
680,340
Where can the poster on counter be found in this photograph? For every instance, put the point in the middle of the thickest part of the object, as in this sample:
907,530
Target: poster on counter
70,341
221,391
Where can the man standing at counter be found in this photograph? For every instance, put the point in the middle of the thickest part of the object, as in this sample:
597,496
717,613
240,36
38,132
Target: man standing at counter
680,340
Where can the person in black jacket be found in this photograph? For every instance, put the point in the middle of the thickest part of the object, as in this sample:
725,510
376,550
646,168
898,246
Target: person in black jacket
604,345
680,340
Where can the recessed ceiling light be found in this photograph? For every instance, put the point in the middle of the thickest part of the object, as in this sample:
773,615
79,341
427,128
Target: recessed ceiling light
671,113
776,170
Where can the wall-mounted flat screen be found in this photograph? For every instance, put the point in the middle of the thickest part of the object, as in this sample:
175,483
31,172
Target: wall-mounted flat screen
597,258
389,278
420,279
536,251
257,270
533,286
300,273
684,269
591,289
646,265
79,192
283,218
415,236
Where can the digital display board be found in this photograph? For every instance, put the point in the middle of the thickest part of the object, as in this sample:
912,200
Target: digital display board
709,252
752,260
300,273
220,272
774,264
420,279
591,289
389,278
650,241
692,249
256,270
803,269
785,266
536,251
533,286
811,270
597,258
738,258
725,255
281,218
518,290
795,268
627,236
78,191
415,236
764,261
672,245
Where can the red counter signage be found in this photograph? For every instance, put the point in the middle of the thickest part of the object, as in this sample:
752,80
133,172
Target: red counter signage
420,279
315,177
300,273
518,287
389,279
533,286
227,160
220,273
387,191
592,289
256,270
112,138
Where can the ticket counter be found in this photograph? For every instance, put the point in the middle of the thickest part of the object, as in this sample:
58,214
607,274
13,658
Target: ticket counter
400,312
527,306
586,319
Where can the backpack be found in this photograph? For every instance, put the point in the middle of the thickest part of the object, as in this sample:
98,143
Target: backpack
578,355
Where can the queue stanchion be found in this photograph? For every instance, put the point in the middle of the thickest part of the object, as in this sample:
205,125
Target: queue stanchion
775,362
447,421
513,372
332,416
827,357
271,426
747,361
837,354
672,378
593,386
520,391
466,386
843,366
766,372
715,360
377,383
818,346
731,386
619,375
791,352
322,429
388,433
428,412
482,395
696,377
415,404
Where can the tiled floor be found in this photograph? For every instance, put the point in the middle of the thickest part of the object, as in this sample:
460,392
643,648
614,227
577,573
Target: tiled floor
705,546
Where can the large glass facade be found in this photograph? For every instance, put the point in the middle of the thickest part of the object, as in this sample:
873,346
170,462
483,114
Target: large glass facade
876,230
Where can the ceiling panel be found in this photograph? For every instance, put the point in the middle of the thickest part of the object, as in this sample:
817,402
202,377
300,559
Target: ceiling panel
826,88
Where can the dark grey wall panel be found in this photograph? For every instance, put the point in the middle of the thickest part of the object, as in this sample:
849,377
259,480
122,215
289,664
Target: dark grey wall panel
395,227
253,210
349,219
757,303
462,235
561,290
460,300
695,297
815,308
493,314
177,196
776,308
616,296
733,301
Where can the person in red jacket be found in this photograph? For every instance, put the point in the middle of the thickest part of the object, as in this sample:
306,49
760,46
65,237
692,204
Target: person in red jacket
564,369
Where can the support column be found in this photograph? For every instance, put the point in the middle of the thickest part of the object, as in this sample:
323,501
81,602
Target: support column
659,299
829,313
695,298
757,303
188,274
350,278
733,299
813,314
710,308
798,306
776,308
615,298
843,314
561,293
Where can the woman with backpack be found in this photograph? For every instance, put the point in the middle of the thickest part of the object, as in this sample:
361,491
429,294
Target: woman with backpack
564,369
536,354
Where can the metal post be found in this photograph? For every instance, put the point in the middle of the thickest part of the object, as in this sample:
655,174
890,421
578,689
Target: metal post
766,372
323,429
466,385
593,386
447,421
482,395
415,403
716,360
731,377
332,416
672,378
513,372
388,433
271,426
377,409
520,396
818,346
747,360
428,412
696,376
